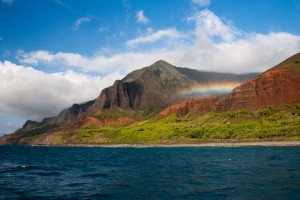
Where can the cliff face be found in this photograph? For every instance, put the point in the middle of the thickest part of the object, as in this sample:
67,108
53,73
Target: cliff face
152,87
64,120
276,86
199,107
121,94
157,86
115,95
69,115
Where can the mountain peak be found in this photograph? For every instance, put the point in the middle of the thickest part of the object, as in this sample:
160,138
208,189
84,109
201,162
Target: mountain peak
161,63
159,67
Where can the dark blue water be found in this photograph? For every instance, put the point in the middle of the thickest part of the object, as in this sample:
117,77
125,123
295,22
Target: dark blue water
149,173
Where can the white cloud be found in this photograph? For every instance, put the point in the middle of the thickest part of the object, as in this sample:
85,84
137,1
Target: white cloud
202,2
254,53
154,36
33,94
141,18
208,25
119,62
34,58
213,45
80,21
8,2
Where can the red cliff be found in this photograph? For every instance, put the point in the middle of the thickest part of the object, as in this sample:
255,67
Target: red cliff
279,85
86,121
199,106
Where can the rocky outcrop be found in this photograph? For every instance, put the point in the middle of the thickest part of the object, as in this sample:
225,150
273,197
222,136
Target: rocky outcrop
64,120
120,94
150,88
199,107
29,125
86,121
155,87
276,86
73,113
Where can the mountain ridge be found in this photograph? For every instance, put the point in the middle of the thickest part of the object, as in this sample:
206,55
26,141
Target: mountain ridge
160,80
276,86
142,92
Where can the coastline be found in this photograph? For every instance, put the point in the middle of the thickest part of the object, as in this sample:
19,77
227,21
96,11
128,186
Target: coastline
208,144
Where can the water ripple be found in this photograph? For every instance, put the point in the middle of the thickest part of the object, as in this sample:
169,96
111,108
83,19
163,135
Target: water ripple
149,173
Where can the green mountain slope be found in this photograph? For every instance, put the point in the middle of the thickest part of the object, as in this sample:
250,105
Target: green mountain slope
271,123
265,107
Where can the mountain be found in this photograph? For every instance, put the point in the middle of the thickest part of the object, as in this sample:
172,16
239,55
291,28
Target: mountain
147,89
214,77
65,120
278,85
196,107
157,86
140,94
118,114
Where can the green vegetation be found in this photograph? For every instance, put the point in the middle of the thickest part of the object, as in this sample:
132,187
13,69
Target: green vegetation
113,114
270,123
117,113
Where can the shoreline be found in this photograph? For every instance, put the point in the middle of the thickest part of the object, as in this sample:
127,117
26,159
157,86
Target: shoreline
208,144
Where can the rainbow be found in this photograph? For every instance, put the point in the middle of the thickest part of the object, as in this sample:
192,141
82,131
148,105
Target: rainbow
210,89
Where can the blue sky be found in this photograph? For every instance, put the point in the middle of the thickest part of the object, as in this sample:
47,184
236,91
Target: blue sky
54,53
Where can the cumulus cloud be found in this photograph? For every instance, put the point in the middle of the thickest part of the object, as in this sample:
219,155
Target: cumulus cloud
141,18
202,2
208,25
80,21
120,62
214,44
8,2
33,94
154,36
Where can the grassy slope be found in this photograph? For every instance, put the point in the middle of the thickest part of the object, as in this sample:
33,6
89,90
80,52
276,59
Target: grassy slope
270,123
292,64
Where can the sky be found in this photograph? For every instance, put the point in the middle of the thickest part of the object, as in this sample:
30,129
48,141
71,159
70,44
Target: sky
54,53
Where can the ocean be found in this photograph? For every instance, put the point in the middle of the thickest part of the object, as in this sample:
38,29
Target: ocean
149,173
